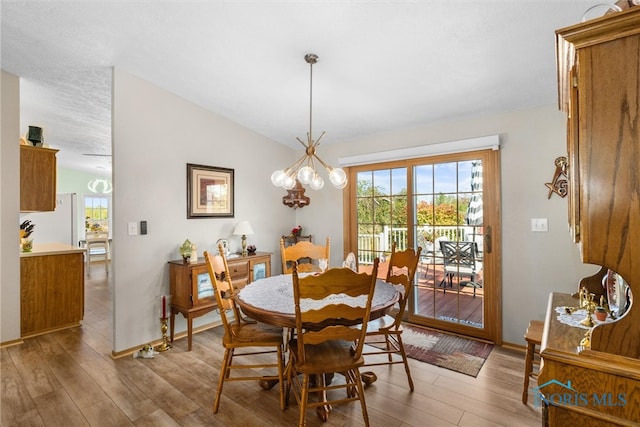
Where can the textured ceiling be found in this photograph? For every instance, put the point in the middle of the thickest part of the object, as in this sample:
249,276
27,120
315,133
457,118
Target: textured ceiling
384,65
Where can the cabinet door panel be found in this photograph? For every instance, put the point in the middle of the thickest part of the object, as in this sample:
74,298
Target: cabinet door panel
609,151
202,288
37,179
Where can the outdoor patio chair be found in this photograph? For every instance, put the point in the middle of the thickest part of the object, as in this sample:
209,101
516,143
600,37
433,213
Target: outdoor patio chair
430,255
459,261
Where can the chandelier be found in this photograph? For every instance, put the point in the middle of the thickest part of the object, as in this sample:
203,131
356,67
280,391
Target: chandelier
304,169
100,185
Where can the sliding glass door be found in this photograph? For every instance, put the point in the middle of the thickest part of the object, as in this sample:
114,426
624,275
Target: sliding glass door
438,204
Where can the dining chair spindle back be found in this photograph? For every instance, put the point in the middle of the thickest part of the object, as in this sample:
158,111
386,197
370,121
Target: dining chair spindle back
385,333
326,341
252,337
303,250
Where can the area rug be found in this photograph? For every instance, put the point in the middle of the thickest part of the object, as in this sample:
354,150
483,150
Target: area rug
445,350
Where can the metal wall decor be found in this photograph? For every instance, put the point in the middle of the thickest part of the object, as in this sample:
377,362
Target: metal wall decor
560,183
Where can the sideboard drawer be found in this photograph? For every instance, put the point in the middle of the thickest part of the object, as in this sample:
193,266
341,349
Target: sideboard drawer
239,270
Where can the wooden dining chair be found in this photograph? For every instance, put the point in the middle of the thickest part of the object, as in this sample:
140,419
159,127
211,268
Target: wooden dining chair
97,246
252,337
385,333
303,251
326,341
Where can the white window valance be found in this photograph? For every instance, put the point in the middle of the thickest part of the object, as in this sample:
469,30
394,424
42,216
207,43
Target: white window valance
473,144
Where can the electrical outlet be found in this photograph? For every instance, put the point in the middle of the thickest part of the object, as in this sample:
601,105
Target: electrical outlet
539,224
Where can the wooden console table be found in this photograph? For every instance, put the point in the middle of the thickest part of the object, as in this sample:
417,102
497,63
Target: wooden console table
192,292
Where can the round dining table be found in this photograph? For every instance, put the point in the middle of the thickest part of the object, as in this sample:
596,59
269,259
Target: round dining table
270,300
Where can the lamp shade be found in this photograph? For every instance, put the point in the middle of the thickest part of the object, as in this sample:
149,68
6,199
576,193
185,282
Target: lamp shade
243,228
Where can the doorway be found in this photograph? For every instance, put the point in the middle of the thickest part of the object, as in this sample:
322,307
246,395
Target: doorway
447,205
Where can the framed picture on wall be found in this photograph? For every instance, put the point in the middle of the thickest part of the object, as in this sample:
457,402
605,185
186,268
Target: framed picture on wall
209,191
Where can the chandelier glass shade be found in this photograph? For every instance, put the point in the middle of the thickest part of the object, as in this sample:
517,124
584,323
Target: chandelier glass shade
304,169
100,185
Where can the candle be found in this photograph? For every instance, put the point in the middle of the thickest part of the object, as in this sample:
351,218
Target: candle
164,306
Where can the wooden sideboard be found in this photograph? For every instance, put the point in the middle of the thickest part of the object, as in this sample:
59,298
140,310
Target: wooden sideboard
599,89
192,291
584,387
51,288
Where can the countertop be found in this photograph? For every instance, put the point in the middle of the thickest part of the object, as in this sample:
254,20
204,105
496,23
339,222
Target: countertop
40,249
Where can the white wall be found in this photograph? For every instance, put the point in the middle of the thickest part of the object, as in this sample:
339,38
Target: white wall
534,264
155,134
9,208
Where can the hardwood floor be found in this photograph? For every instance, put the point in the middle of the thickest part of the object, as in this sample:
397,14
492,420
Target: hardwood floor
69,378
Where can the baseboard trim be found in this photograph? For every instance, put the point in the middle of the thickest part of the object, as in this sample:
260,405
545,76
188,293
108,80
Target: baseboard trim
512,346
132,350
11,343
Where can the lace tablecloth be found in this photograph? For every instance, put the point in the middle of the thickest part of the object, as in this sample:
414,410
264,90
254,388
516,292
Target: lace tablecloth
275,294
576,317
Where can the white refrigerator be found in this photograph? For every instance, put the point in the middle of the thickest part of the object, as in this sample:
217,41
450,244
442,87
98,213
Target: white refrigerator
59,226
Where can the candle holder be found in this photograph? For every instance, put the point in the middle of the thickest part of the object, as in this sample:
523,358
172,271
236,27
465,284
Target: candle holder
165,340
591,308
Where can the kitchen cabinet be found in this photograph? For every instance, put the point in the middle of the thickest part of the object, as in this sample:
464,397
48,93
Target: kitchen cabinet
37,179
599,89
51,288
192,291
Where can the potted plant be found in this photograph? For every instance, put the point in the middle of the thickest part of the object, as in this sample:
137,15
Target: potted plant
185,250
601,314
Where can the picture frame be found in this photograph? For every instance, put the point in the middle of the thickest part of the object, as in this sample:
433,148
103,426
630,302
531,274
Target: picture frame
210,191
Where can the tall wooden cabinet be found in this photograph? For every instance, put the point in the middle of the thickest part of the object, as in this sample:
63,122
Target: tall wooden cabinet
599,89
192,291
37,179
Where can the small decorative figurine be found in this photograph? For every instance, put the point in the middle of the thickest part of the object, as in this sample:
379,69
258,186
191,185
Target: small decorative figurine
185,250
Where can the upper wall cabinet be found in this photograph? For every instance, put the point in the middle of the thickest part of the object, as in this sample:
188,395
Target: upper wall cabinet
37,179
599,88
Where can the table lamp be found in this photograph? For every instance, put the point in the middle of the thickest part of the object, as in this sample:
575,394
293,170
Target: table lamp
242,229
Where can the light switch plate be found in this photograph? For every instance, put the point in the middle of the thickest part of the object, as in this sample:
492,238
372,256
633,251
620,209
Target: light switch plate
539,224
132,228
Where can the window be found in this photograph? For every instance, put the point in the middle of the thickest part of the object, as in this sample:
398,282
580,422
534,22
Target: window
97,213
